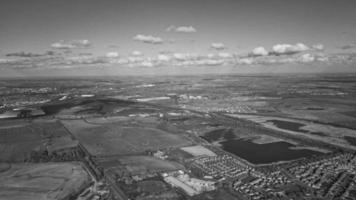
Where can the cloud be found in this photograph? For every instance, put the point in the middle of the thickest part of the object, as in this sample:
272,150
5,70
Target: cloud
181,29
29,54
194,59
218,46
224,55
30,62
136,53
132,59
75,44
245,61
74,60
307,58
347,46
210,62
185,56
163,57
112,54
318,47
258,56
147,63
82,43
171,41
280,49
85,54
11,60
170,28
113,46
259,51
148,39
62,45
180,56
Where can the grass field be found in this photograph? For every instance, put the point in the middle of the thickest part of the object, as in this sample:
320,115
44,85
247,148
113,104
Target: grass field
325,133
144,164
152,186
18,140
104,140
198,151
41,181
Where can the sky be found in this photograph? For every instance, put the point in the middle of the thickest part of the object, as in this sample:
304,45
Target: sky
113,37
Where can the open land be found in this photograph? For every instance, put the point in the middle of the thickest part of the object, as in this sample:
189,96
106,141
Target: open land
42,181
192,137
104,140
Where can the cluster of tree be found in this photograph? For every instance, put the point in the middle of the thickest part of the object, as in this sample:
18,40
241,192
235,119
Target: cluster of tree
71,154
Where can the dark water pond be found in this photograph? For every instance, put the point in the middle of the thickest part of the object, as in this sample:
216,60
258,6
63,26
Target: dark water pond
256,153
318,133
293,126
314,108
265,153
94,105
219,134
351,140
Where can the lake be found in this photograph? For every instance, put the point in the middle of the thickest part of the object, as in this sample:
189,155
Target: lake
288,125
351,140
293,126
265,153
256,153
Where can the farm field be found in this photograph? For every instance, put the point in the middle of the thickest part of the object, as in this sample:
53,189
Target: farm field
112,139
41,181
17,141
254,136
303,128
198,151
143,164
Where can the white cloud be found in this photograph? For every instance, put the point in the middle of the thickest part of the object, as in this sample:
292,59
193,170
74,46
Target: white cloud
113,46
180,56
9,61
137,53
82,43
259,51
24,54
73,60
322,58
185,56
224,55
218,45
112,54
211,62
62,45
146,63
289,49
163,58
135,59
307,58
148,39
211,55
170,28
75,44
347,46
319,47
181,29
216,58
246,61
121,61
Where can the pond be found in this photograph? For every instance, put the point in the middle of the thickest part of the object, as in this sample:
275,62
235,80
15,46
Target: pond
288,125
265,153
256,153
351,140
293,126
